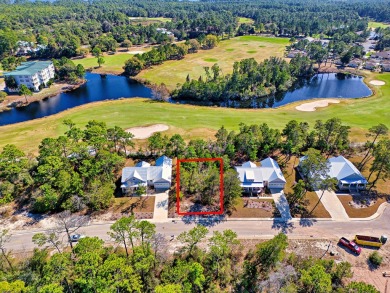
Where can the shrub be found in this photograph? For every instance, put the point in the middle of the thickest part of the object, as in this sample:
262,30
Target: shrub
375,258
3,95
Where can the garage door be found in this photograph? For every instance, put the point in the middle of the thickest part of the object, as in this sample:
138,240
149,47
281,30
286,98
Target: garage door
161,185
276,185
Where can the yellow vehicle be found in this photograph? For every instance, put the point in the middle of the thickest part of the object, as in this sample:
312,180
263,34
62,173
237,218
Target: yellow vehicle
369,240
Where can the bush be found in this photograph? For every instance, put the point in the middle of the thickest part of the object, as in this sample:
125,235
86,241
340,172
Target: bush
3,95
375,258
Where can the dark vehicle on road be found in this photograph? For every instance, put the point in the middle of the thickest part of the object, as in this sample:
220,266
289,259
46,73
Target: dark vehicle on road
76,237
351,245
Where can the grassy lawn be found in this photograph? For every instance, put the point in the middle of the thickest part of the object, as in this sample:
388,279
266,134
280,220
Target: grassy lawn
245,20
113,63
359,212
201,122
242,212
374,24
225,54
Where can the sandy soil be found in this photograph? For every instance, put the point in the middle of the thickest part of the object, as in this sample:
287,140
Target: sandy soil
377,82
136,52
310,107
147,131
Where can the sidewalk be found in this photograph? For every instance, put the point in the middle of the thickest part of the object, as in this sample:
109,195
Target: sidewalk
161,207
333,205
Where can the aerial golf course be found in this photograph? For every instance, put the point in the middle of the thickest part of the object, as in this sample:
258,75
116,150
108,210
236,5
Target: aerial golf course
197,121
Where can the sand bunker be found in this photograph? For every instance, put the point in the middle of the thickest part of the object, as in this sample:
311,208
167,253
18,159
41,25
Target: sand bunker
310,107
377,82
147,131
136,52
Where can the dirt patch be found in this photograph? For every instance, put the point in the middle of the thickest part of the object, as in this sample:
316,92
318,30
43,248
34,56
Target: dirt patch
133,204
253,208
358,206
311,202
377,82
147,131
310,107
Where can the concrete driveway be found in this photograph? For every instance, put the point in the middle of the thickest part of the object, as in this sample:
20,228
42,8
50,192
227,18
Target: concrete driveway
333,205
281,204
161,207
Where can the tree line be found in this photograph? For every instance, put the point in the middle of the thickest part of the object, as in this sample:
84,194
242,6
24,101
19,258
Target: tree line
140,262
79,169
249,80
68,28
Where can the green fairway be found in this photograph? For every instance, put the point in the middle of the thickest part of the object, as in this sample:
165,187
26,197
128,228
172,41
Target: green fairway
211,60
195,121
374,24
113,63
245,20
225,54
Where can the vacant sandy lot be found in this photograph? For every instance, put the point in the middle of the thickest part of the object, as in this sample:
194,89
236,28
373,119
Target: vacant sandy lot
146,131
310,107
377,82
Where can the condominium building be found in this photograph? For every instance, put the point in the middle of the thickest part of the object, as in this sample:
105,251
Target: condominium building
33,74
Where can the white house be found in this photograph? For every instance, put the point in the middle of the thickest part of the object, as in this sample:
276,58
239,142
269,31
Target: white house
356,63
370,65
294,53
143,174
347,175
254,179
33,74
386,66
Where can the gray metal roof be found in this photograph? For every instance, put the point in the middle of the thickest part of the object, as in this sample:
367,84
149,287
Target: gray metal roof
29,68
143,172
250,175
344,170
163,160
272,171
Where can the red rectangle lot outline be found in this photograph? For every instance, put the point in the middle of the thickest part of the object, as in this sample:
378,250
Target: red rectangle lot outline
220,212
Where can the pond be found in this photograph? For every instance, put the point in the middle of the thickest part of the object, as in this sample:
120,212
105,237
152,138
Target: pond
96,88
327,85
114,87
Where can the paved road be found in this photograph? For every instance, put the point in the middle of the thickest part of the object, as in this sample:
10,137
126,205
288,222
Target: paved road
250,229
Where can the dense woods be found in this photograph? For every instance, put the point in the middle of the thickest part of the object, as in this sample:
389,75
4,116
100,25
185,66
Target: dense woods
73,27
142,263
78,170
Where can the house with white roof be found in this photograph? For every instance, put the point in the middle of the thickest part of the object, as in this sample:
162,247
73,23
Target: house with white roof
348,176
254,179
158,176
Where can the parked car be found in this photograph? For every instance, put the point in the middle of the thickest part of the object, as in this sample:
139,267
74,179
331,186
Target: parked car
351,245
76,237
